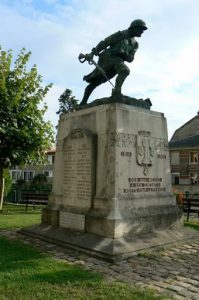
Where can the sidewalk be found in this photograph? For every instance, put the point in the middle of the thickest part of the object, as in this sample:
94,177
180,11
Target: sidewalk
174,271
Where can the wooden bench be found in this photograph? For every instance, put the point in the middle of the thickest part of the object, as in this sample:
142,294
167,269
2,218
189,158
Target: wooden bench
191,205
34,198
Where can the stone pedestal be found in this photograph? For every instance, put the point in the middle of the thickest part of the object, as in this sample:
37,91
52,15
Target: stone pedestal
112,181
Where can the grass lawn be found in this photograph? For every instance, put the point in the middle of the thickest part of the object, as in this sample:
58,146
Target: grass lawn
15,216
28,274
193,224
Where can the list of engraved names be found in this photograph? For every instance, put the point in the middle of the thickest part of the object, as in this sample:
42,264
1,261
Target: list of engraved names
145,184
77,169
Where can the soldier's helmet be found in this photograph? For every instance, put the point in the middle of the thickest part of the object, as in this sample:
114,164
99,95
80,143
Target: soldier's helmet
138,23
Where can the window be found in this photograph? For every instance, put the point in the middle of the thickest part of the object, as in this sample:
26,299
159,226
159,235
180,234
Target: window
193,157
175,178
28,175
51,159
175,158
15,175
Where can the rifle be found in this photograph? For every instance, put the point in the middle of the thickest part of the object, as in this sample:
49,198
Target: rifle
88,57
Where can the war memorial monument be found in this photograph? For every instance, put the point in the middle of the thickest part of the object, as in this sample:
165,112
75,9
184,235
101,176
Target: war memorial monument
112,194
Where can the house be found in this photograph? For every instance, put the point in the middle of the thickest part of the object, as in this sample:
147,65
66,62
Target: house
28,172
184,155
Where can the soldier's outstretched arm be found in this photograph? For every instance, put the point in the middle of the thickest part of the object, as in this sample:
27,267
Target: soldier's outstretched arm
114,38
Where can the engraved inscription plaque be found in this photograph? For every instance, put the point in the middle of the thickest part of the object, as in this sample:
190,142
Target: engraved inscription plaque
72,221
79,168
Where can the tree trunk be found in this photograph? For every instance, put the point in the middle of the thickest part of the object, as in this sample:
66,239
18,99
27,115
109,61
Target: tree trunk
1,189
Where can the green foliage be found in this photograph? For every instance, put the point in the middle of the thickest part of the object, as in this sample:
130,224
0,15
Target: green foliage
24,135
67,102
40,183
20,183
37,185
40,178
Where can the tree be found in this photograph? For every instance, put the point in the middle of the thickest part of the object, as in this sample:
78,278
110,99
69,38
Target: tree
67,102
40,178
24,135
8,181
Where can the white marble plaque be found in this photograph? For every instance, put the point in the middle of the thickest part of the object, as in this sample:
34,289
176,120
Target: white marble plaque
72,221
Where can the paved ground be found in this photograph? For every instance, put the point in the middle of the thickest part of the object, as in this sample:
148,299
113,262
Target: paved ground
174,271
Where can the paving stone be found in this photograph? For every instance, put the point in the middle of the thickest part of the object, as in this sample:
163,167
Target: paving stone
137,277
184,284
174,272
185,293
194,297
178,297
140,284
175,288
156,288
193,289
196,277
193,282
161,284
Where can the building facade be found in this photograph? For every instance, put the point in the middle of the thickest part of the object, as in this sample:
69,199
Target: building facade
28,172
184,155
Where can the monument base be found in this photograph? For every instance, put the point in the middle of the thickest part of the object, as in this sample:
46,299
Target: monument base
106,248
112,193
115,223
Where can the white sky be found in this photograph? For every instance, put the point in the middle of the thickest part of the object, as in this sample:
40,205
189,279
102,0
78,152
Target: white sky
166,66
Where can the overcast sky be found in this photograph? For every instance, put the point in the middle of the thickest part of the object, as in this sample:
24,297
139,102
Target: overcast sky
166,66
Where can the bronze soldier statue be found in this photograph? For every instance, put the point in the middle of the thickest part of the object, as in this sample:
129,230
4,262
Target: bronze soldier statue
113,52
